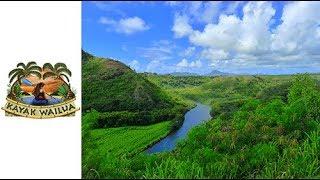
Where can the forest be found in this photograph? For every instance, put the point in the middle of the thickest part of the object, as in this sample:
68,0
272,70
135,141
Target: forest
265,126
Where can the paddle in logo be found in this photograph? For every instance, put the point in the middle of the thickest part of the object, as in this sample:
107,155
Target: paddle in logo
40,92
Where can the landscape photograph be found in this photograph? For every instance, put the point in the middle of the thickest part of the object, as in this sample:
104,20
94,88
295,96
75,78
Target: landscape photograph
200,89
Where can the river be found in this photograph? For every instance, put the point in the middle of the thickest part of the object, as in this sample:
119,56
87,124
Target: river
193,117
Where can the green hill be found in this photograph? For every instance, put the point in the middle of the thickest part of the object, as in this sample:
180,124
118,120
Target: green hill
111,87
85,56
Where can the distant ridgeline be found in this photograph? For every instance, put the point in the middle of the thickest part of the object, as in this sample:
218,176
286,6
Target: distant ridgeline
186,74
124,96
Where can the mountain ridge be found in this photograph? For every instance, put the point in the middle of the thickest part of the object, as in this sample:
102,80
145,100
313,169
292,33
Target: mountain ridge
110,85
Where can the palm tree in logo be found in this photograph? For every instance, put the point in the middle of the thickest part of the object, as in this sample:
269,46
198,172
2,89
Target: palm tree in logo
23,71
59,71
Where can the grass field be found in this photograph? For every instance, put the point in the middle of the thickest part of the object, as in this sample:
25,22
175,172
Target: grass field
103,146
130,139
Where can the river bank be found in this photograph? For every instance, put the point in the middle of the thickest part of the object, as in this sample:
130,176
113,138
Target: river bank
193,117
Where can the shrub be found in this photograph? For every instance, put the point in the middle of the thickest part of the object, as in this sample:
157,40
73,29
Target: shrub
226,108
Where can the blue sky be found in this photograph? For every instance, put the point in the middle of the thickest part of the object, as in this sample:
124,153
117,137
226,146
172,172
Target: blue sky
198,37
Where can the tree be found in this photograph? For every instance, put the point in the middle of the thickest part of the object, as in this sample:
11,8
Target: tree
58,71
23,71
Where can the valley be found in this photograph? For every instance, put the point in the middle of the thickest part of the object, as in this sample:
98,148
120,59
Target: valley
261,126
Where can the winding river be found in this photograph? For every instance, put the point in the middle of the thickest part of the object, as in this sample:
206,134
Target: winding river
195,116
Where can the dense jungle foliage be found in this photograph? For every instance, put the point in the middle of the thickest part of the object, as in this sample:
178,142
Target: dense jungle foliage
262,127
123,96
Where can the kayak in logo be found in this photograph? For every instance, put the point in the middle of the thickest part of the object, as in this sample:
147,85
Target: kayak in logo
40,92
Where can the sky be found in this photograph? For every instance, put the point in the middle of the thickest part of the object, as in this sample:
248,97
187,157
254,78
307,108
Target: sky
198,37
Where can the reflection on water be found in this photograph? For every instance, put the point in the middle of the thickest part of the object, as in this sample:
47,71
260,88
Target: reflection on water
30,100
195,116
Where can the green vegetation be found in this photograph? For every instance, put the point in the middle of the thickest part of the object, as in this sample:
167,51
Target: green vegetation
109,85
189,88
124,97
260,139
17,90
263,127
62,91
103,149
130,139
115,100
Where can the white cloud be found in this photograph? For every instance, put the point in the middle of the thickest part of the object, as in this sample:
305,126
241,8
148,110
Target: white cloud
189,51
252,41
232,7
158,50
135,65
195,64
109,7
158,53
125,25
210,11
197,11
181,26
185,64
107,21
222,35
229,40
164,68
299,30
153,65
172,3
159,66
249,35
131,25
215,54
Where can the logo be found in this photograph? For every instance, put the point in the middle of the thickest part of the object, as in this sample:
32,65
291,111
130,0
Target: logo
40,92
